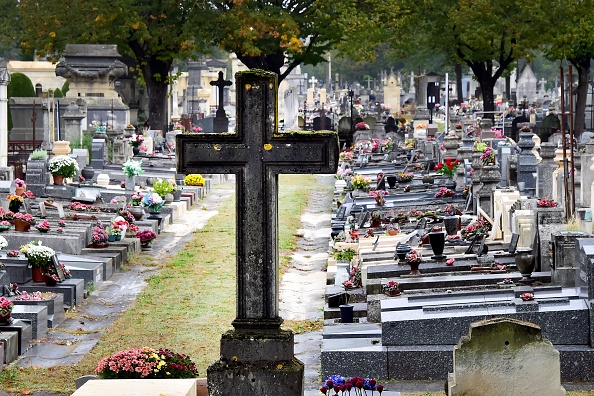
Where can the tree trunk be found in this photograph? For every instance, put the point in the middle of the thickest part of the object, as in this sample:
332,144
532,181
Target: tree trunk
487,84
155,74
459,91
582,66
272,63
507,95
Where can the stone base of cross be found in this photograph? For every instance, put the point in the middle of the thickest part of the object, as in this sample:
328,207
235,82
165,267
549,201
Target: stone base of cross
257,357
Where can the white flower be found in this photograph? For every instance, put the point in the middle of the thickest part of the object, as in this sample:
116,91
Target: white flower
132,168
63,165
3,242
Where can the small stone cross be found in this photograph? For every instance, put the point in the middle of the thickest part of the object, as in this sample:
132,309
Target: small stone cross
313,81
221,83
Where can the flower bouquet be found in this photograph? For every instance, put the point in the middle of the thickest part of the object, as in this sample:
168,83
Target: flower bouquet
146,363
162,187
19,183
14,202
44,226
479,226
62,165
136,199
100,236
38,255
401,218
409,144
5,225
378,195
62,223
448,167
488,156
547,203
146,237
404,177
194,179
136,140
153,202
196,129
24,217
345,155
361,126
391,288
359,385
360,182
6,306
132,168
13,253
386,145
444,193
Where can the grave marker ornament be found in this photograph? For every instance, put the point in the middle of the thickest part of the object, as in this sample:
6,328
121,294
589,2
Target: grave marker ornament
257,356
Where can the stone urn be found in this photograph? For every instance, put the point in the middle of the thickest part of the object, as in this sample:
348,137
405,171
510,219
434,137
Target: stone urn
88,172
437,242
61,147
451,224
168,198
401,252
137,212
525,263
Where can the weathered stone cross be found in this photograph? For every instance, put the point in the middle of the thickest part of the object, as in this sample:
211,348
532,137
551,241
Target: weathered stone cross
221,83
257,154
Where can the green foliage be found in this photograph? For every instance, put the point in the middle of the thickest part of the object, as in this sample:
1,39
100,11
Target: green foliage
65,87
58,93
20,86
345,254
38,154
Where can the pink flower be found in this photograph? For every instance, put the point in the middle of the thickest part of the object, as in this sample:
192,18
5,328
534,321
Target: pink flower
450,261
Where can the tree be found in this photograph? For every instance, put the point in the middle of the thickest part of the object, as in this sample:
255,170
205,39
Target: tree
20,86
279,35
154,33
10,31
571,37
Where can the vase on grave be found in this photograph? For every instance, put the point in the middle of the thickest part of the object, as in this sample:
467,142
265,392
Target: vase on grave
88,172
393,293
451,224
525,263
58,180
391,180
61,147
437,242
135,150
137,212
130,183
168,198
414,267
346,313
177,195
21,225
401,252
5,316
19,191
450,183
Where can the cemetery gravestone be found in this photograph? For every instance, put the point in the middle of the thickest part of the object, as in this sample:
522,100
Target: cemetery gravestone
221,122
257,356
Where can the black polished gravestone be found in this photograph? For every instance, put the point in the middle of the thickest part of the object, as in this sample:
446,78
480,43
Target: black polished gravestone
257,356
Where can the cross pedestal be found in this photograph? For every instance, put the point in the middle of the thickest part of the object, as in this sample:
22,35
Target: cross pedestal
257,356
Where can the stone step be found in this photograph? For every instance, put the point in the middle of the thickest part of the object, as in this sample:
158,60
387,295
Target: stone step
114,254
34,314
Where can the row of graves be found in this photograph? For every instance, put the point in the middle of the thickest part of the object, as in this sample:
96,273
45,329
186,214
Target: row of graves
60,241
439,234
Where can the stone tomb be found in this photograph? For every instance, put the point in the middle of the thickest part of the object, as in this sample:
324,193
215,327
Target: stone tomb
417,334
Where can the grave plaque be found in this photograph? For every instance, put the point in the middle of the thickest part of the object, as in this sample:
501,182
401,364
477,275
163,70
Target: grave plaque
42,210
27,206
60,208
262,353
58,268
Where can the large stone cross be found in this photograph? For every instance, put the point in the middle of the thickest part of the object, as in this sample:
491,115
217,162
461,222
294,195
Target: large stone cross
257,154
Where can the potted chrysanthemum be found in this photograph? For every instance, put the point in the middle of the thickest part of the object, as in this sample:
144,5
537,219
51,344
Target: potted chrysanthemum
62,166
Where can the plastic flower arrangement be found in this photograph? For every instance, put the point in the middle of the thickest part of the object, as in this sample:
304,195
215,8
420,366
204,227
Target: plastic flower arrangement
37,254
118,226
98,126
527,296
6,306
136,199
361,126
132,168
146,237
14,202
360,182
525,128
479,146
391,287
347,284
81,207
62,165
62,223
60,230
153,202
360,386
404,177
194,179
162,187
3,242
99,234
196,129
43,226
415,213
126,215
421,126
479,226
498,133
547,203
488,156
448,167
5,225
451,210
24,217
20,183
146,363
413,257
34,296
409,143
13,253
379,195
342,174
444,193
450,261
136,140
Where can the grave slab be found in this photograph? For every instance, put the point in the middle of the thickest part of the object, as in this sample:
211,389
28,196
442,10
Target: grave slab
69,244
17,269
10,346
72,289
338,356
24,331
90,272
55,308
116,257
108,266
138,387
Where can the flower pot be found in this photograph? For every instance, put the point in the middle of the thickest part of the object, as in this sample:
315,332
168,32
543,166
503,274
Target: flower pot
393,293
177,195
401,252
437,242
112,238
391,179
19,191
49,281
61,147
88,172
525,263
392,232
168,198
21,225
130,183
137,212
43,230
427,179
37,275
450,183
136,150
414,268
376,223
346,313
58,180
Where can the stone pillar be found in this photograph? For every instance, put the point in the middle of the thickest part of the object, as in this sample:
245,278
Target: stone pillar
485,125
451,144
72,122
4,80
547,221
545,169
490,178
37,177
477,165
464,153
527,162
587,177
